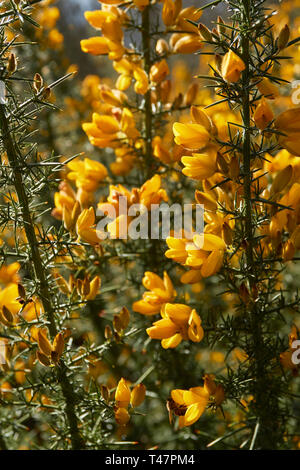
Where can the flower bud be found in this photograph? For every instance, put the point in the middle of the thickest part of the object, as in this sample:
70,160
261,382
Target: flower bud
162,47
283,37
21,291
124,317
44,343
263,114
222,164
244,293
227,233
117,324
43,359
234,168
288,251
38,82
122,395
190,94
204,32
207,200
6,316
281,180
12,64
107,332
104,392
232,66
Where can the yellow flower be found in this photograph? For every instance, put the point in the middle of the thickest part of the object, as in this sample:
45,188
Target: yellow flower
64,198
191,135
179,322
150,193
122,416
85,227
100,45
160,291
137,395
128,71
232,66
48,17
107,131
268,89
9,273
169,12
95,45
49,353
190,404
160,150
196,135
200,166
108,21
55,38
186,44
122,395
141,80
111,96
159,71
263,114
204,255
288,123
87,173
10,306
177,250
191,13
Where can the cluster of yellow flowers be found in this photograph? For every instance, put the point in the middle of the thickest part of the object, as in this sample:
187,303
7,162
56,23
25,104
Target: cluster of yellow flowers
162,140
201,144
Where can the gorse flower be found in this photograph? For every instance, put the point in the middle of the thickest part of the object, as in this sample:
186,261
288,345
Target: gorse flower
85,227
86,159
204,255
190,404
49,353
159,291
87,174
232,66
179,322
288,124
124,396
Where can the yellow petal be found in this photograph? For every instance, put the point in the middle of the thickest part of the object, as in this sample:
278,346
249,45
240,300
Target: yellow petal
171,342
194,412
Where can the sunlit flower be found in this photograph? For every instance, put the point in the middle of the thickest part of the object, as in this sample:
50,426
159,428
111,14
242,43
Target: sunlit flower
190,404
179,322
232,66
159,291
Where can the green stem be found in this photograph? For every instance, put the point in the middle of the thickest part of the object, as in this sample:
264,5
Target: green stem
15,160
265,399
146,43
